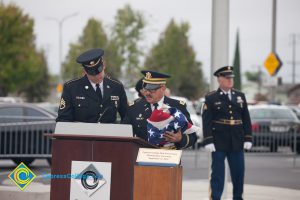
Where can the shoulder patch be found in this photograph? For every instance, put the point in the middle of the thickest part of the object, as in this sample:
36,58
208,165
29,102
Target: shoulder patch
137,100
62,104
235,90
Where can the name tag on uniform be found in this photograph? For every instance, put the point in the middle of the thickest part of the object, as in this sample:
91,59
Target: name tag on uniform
218,103
114,98
77,97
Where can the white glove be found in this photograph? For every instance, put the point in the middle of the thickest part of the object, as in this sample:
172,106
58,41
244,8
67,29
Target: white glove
247,145
210,147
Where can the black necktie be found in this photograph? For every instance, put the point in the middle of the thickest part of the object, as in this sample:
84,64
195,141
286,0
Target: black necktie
155,106
228,96
98,91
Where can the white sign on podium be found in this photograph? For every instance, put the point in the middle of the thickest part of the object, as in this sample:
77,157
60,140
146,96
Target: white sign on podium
116,130
90,180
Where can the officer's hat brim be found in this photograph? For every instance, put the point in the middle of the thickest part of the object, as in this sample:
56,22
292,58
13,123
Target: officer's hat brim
226,72
91,58
149,86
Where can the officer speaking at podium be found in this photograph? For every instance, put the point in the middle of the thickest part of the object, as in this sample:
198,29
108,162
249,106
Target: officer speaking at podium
94,97
226,130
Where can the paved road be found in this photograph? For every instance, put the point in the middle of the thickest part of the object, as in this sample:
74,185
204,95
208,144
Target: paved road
267,170
261,169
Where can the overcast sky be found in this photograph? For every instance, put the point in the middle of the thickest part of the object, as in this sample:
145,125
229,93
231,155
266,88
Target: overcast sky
251,17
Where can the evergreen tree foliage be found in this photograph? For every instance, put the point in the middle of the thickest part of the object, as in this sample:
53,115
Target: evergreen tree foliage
21,64
237,65
93,36
127,32
174,55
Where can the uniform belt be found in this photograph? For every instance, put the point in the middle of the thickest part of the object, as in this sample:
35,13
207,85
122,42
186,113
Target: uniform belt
228,122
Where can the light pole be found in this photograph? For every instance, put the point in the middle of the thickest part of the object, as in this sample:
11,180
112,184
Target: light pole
60,26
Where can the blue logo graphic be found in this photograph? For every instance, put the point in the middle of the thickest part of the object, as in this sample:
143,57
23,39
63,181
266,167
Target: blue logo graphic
22,176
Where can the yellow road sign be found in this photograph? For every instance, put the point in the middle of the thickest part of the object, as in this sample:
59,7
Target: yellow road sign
273,64
59,88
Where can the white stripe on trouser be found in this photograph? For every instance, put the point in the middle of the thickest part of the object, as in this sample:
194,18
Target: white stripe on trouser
224,194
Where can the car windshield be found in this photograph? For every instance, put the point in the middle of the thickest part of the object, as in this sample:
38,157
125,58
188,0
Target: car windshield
190,108
271,114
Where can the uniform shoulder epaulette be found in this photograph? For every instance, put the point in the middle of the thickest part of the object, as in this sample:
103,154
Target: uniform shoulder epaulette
182,102
114,80
72,80
210,93
131,103
235,90
137,100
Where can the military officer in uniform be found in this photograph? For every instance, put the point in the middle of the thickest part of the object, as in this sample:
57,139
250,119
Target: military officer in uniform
227,130
94,97
154,84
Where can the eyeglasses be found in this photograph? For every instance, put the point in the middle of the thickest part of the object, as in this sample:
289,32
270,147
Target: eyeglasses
152,90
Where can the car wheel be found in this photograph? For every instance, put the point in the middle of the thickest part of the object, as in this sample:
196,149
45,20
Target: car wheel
49,160
297,148
26,161
274,147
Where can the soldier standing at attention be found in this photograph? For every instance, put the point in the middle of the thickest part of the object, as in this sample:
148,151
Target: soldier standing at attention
227,130
94,97
154,84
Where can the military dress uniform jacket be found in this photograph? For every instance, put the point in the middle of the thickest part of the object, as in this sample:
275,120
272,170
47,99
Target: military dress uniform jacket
81,103
138,113
226,123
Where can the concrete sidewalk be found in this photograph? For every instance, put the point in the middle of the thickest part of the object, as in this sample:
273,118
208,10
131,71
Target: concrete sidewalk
198,190
192,190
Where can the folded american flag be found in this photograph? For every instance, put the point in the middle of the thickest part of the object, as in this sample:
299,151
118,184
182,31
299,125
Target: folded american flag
168,119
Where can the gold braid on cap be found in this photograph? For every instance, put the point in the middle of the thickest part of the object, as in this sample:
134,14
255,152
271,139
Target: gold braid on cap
148,79
92,63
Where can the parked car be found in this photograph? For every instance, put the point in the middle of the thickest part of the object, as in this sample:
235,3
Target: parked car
199,106
22,128
296,110
11,100
274,126
52,107
131,94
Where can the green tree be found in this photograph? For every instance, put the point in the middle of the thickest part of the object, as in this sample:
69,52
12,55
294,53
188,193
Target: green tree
20,62
174,55
127,32
37,89
237,64
253,76
93,36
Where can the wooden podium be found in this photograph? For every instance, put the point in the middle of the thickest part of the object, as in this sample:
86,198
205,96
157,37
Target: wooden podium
126,177
153,183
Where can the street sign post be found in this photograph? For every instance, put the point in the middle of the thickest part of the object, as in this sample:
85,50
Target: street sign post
273,64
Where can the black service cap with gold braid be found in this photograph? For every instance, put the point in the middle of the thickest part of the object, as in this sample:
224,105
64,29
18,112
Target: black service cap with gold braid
226,72
153,79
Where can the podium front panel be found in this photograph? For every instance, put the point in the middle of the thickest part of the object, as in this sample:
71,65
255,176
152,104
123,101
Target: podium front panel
63,153
120,152
122,155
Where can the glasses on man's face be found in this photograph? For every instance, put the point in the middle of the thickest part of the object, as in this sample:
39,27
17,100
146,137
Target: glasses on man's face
152,90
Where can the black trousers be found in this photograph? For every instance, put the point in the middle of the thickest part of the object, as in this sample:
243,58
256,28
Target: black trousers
236,164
